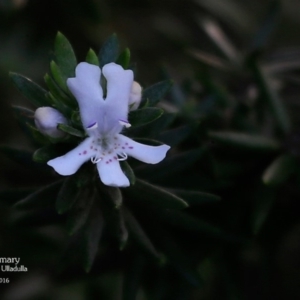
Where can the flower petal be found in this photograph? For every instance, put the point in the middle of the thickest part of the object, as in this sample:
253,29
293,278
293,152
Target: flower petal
111,173
119,83
88,92
144,153
69,163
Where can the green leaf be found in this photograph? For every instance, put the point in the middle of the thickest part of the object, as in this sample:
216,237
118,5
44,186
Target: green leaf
44,154
138,234
149,142
20,156
79,210
156,92
269,93
122,232
35,218
243,140
210,59
196,197
92,58
144,116
37,135
33,92
279,170
111,205
42,198
109,50
154,195
59,77
59,104
65,56
222,42
230,12
67,195
92,233
23,115
182,220
71,130
12,195
157,126
60,95
75,118
112,196
128,171
124,59
179,259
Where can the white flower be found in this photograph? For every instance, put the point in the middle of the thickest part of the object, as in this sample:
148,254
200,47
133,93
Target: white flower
46,120
103,120
135,96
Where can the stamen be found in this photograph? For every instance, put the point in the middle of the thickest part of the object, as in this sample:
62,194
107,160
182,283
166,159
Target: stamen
124,123
92,126
123,156
95,160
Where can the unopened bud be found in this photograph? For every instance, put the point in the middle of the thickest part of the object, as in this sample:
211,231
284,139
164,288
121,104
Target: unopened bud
46,120
135,96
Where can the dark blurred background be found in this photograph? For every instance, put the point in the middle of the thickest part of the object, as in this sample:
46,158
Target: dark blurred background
167,38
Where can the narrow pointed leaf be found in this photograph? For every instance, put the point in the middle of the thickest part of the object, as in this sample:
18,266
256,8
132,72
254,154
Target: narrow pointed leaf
42,198
12,195
44,154
154,195
70,130
35,218
92,233
23,115
138,234
80,210
33,92
37,135
279,170
128,172
124,59
112,196
179,260
92,58
183,220
67,195
59,77
156,92
196,197
58,93
209,59
144,116
219,38
65,56
246,141
109,50
270,94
